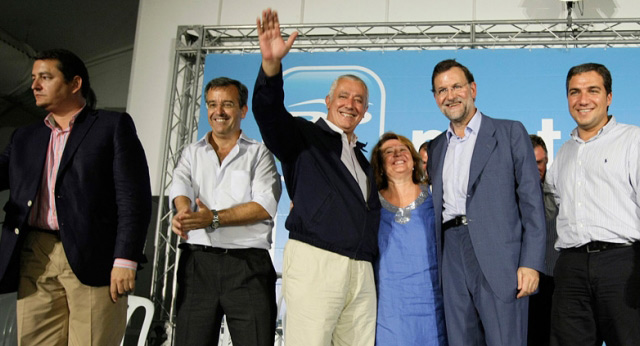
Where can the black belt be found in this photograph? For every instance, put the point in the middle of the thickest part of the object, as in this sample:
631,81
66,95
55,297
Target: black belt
455,222
47,231
597,246
211,249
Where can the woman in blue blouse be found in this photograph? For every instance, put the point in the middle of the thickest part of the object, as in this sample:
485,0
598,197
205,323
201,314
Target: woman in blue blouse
410,310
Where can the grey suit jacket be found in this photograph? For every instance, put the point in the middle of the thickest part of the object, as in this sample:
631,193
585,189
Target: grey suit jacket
504,203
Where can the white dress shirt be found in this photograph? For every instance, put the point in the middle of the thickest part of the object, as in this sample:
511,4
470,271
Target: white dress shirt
247,174
595,184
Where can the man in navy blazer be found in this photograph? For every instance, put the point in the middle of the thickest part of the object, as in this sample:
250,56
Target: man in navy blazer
490,222
328,281
77,215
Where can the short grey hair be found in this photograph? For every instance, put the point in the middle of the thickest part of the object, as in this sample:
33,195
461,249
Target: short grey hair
353,78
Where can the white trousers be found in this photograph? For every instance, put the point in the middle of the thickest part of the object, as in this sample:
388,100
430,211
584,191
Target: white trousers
330,299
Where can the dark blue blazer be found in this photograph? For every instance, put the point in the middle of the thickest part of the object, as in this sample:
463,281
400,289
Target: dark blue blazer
102,194
504,203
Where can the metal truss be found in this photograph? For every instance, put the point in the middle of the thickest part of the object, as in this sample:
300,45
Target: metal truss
434,35
194,42
182,128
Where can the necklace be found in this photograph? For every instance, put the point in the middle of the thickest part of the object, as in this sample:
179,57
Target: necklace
403,215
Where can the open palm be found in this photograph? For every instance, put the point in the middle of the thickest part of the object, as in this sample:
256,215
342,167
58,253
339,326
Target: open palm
272,45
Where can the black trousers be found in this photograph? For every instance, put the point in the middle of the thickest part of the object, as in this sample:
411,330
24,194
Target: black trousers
539,331
239,284
596,298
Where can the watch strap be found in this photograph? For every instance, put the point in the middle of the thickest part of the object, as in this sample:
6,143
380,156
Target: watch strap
215,223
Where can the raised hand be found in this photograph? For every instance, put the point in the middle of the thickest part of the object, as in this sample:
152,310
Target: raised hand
272,45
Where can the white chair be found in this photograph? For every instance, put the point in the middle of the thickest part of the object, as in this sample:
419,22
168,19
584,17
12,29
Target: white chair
225,336
134,303
280,329
8,326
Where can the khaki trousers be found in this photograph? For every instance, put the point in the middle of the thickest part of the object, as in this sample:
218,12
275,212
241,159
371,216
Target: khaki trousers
330,299
55,308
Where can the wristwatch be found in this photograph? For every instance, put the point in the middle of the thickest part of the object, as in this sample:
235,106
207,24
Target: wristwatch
216,219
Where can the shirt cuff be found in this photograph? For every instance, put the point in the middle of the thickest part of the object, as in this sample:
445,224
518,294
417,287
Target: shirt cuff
125,263
269,204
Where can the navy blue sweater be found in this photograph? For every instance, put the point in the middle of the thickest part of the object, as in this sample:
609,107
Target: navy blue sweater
329,211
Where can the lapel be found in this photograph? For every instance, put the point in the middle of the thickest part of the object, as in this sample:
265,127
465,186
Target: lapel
81,126
485,144
439,152
366,167
38,153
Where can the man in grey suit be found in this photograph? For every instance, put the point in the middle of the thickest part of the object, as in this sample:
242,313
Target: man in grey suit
490,222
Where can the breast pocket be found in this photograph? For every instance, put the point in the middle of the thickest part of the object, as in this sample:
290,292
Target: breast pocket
240,182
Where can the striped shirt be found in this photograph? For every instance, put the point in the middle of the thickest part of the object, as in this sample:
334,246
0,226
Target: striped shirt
595,184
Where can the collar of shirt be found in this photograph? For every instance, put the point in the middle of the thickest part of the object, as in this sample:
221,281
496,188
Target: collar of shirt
605,129
334,127
50,121
242,141
243,138
472,127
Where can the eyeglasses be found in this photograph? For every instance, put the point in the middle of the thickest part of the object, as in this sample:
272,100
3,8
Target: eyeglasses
456,88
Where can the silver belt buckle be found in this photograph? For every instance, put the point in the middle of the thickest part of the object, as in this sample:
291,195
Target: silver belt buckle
463,220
